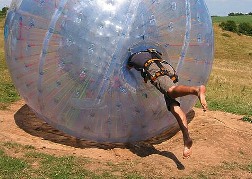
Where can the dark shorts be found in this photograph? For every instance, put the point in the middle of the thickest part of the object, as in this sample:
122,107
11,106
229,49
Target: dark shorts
163,83
170,102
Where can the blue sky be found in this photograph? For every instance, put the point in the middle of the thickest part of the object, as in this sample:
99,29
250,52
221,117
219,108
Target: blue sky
224,7
216,7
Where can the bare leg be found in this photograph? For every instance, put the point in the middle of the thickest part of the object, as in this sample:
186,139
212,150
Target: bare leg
179,91
182,121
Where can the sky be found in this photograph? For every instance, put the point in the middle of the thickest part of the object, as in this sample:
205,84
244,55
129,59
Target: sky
215,7
224,7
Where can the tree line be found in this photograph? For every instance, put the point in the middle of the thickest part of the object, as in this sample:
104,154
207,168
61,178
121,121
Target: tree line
239,14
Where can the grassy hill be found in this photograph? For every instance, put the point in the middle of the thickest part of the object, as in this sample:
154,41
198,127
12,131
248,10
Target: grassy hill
229,86
237,19
8,92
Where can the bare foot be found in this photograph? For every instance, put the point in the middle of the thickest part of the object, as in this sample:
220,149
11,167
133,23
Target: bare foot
187,149
202,97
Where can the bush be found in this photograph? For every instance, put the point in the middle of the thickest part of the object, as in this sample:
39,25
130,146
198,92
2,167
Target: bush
229,26
3,12
245,28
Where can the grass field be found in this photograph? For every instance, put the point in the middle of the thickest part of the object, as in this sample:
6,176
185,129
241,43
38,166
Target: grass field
237,19
32,164
8,93
26,162
229,87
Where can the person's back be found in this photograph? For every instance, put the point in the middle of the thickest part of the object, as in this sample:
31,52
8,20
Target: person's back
138,60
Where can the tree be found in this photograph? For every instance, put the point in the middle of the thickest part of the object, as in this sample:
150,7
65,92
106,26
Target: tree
236,14
4,11
231,14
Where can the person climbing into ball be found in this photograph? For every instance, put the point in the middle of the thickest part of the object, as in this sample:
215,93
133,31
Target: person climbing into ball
163,76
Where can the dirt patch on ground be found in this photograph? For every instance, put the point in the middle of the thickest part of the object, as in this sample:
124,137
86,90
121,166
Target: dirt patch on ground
218,137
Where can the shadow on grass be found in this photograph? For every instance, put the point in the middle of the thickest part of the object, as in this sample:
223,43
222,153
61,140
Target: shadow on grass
26,119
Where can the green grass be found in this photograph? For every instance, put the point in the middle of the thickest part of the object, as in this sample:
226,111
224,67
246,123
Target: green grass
8,92
247,119
18,161
224,170
249,167
133,176
25,162
237,19
58,167
11,167
229,87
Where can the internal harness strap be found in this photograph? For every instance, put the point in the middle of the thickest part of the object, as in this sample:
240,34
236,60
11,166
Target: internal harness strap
156,58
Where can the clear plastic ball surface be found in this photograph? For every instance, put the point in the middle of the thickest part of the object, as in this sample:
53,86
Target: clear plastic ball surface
67,59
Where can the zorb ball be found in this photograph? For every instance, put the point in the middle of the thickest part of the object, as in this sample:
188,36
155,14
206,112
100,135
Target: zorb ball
67,58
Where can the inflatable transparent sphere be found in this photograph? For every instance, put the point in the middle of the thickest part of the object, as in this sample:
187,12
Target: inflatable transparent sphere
67,59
